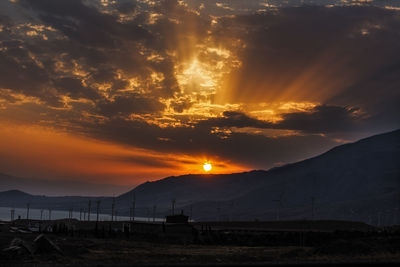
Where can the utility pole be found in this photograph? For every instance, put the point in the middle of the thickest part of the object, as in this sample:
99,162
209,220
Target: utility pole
41,214
80,214
133,206
173,206
49,214
12,214
278,201
313,196
398,201
90,203
312,207
27,210
112,209
154,213
379,218
97,210
279,205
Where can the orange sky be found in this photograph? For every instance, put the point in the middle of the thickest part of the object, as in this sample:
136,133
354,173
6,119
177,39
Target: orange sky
34,151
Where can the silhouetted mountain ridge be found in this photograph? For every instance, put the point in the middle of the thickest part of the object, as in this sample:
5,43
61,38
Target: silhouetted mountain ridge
355,181
14,193
190,188
352,181
56,187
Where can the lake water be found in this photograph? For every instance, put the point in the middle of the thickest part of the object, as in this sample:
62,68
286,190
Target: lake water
5,215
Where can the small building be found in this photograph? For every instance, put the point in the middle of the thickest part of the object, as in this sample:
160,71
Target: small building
179,218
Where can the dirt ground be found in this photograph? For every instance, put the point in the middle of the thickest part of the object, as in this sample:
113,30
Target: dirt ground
119,252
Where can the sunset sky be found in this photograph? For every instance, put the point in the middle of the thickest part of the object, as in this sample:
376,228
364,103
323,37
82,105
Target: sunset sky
121,92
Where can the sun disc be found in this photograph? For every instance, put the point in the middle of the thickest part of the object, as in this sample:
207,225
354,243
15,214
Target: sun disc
207,166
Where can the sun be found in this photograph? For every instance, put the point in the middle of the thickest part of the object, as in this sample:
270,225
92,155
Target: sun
207,166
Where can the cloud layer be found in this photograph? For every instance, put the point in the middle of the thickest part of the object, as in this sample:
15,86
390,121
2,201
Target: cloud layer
253,89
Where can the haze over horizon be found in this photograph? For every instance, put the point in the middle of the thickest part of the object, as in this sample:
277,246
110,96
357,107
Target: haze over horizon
116,93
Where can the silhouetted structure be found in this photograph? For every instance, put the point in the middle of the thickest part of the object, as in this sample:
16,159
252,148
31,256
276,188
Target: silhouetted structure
112,209
27,210
173,206
97,210
154,213
70,213
133,206
89,205
12,214
279,205
179,218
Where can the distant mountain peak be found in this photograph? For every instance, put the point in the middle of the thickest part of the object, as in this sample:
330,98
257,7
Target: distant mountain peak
14,192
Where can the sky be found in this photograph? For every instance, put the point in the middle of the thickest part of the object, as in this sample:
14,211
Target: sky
119,92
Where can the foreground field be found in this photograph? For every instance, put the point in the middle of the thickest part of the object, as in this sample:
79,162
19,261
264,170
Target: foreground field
80,251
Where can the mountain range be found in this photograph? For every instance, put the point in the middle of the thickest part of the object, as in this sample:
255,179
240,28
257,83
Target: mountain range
358,181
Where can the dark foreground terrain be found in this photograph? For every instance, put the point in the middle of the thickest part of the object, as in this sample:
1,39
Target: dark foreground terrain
210,246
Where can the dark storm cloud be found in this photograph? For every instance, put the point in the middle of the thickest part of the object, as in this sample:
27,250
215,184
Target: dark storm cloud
179,25
74,88
235,119
181,104
130,104
321,119
254,150
95,38
19,72
248,149
379,93
127,7
338,51
85,24
98,42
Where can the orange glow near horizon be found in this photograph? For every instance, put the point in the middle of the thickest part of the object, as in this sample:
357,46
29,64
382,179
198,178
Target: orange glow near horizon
39,152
